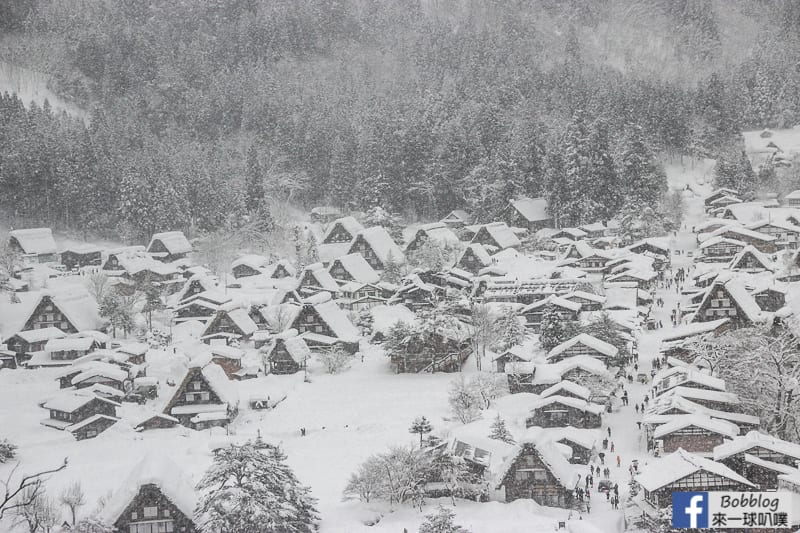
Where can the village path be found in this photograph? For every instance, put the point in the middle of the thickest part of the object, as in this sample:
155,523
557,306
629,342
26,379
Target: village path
629,441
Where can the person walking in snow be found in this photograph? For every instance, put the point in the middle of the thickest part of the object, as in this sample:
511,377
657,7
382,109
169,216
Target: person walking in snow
609,432
639,423
619,461
636,406
598,469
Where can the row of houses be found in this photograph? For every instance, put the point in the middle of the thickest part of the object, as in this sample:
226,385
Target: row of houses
37,246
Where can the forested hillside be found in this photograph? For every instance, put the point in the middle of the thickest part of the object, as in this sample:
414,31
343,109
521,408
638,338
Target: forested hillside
200,109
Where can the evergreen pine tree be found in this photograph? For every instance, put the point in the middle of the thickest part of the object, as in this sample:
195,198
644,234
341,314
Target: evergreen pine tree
254,185
552,331
7,451
441,522
391,269
250,487
421,426
641,177
500,431
512,330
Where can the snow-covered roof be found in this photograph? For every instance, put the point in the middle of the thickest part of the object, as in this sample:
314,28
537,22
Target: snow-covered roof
381,243
551,455
713,425
323,278
35,240
457,215
297,348
154,469
68,402
759,256
570,401
587,438
744,232
357,267
174,241
329,251
337,320
532,209
587,340
100,369
348,223
693,329
253,261
480,252
77,426
683,375
713,241
554,300
65,344
82,248
567,386
517,351
585,296
225,352
705,394
42,334
501,234
756,439
680,464
220,384
77,306
439,233
660,243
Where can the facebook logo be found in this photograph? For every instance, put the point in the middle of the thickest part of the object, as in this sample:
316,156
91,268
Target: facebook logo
690,509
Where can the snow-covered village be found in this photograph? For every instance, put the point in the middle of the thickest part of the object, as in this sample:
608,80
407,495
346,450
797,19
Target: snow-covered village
435,267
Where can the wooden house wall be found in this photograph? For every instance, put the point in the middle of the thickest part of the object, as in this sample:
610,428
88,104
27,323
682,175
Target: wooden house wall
230,366
222,323
557,415
194,390
94,407
770,301
763,246
338,234
244,271
470,262
150,496
720,305
47,314
530,478
73,260
578,349
580,454
89,431
361,246
308,320
701,481
195,311
338,272
280,272
692,439
280,362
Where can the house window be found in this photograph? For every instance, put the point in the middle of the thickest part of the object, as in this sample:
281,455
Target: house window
161,526
540,475
134,515
91,433
151,512
521,475
196,385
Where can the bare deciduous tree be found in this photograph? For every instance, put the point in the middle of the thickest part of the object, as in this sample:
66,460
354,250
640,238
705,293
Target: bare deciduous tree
98,285
20,491
73,499
483,331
